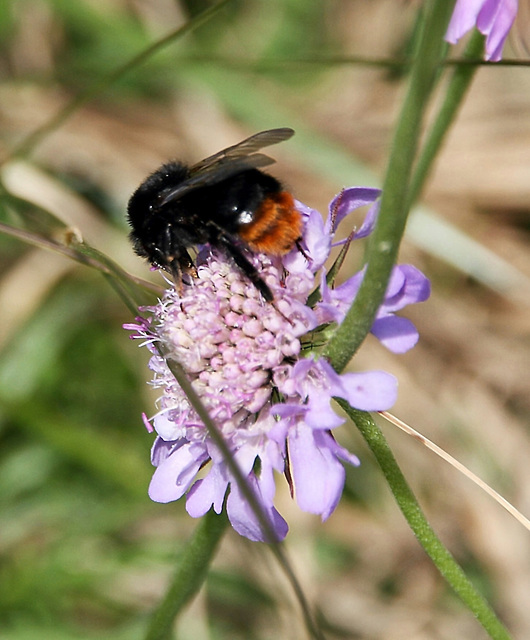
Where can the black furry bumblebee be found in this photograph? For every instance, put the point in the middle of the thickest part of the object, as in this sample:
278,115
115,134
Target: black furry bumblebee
224,200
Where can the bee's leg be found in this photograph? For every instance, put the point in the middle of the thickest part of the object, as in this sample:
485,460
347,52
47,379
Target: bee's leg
246,267
175,258
174,268
301,249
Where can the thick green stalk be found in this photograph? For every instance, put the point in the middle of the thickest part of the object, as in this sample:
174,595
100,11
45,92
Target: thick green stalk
386,238
444,561
396,200
191,572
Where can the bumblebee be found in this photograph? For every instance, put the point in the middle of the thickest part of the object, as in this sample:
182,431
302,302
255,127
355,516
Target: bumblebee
225,201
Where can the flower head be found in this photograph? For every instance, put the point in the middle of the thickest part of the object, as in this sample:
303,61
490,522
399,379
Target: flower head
493,18
252,365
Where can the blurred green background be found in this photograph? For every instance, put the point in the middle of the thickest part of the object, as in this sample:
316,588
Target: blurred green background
83,552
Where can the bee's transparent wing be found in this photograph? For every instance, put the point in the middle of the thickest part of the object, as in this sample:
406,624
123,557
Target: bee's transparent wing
229,161
214,174
245,148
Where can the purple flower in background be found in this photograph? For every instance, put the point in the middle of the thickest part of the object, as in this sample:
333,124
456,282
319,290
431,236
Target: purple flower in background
493,18
254,367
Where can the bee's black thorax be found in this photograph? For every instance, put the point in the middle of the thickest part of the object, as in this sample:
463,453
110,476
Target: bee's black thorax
163,234
224,200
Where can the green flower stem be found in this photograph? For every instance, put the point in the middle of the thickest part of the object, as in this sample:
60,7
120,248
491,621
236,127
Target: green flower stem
189,576
130,288
180,376
410,508
276,548
456,90
384,244
395,204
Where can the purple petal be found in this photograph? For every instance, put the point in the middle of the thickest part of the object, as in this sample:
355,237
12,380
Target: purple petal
343,454
278,433
369,222
345,292
207,492
318,475
336,302
288,409
316,243
495,20
463,19
395,284
161,450
266,479
300,375
417,285
167,428
347,201
174,475
395,333
370,390
245,457
320,415
407,286
244,520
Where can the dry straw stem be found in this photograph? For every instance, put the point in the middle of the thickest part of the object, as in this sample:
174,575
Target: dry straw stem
459,466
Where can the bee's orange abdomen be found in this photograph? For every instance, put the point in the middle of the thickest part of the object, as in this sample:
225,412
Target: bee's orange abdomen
276,226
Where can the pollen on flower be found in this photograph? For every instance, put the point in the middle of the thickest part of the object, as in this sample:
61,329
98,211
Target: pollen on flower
227,343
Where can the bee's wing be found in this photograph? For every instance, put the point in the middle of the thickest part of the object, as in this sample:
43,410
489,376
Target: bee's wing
214,174
246,147
229,161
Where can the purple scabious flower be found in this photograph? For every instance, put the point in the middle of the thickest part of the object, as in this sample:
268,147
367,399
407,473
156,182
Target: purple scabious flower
493,18
255,369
